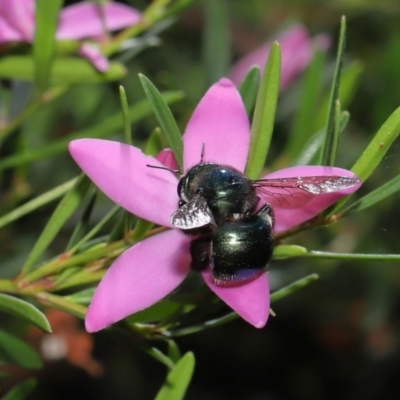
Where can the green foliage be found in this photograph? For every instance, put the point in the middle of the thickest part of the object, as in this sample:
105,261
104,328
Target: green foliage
55,256
375,196
105,128
249,88
178,379
20,391
125,115
24,310
329,147
44,45
264,114
64,71
62,213
165,118
379,145
216,38
36,203
17,352
310,92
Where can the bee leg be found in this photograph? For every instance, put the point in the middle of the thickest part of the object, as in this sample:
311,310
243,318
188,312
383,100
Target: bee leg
200,250
267,213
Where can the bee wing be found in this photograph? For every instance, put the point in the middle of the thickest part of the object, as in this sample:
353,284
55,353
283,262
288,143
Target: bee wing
296,192
193,214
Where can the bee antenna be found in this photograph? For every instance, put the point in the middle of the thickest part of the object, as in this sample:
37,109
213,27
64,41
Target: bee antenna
175,171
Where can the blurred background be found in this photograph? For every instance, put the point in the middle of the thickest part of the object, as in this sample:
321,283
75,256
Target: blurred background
336,339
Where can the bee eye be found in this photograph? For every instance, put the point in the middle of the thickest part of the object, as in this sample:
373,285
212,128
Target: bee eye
180,184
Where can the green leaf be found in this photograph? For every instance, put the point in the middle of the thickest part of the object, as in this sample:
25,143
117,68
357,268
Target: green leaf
64,71
335,134
153,147
96,229
293,287
173,351
178,379
216,40
20,391
83,297
15,351
180,5
154,15
62,213
377,148
310,151
154,352
375,196
161,309
118,230
344,120
352,256
125,115
349,82
165,118
307,103
37,202
154,143
24,310
329,147
287,251
62,303
214,323
264,114
66,275
77,277
249,88
141,228
103,129
83,225
46,20
96,250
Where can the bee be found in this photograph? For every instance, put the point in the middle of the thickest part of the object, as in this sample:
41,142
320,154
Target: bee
238,249
218,204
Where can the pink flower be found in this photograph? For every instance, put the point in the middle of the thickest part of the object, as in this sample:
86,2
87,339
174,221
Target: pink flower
297,50
154,267
79,21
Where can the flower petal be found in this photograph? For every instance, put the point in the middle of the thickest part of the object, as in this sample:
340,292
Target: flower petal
250,300
287,218
296,48
297,52
121,172
85,19
8,33
221,123
139,277
92,53
19,15
167,158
